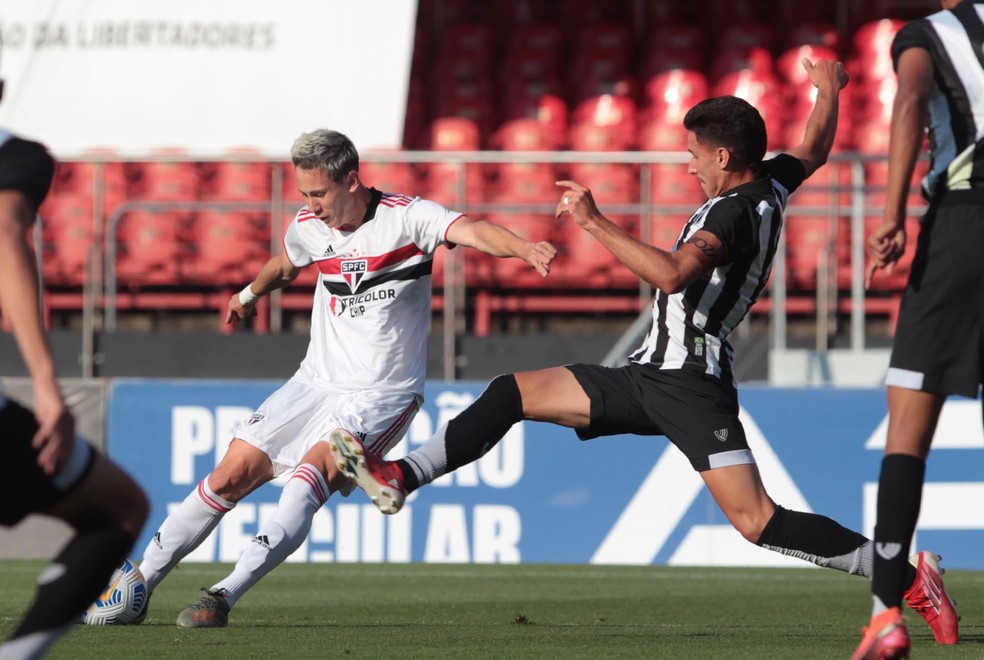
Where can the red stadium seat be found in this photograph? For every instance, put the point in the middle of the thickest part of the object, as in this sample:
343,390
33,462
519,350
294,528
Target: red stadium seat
660,135
525,135
873,45
79,178
228,247
151,247
609,183
455,134
538,100
67,237
661,12
510,13
673,184
591,137
810,33
584,263
672,93
239,179
755,60
741,36
518,183
469,100
416,132
442,183
729,12
529,64
395,177
166,180
829,187
806,238
613,112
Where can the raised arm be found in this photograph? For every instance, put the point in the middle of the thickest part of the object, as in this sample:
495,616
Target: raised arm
829,78
498,241
667,271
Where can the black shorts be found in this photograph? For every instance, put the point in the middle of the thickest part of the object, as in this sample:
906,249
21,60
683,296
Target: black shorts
939,340
27,167
25,488
697,412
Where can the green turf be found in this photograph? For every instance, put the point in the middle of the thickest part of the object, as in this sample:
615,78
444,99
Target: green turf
456,611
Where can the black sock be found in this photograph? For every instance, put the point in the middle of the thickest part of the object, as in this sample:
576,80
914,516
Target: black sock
87,563
478,428
410,482
899,498
812,537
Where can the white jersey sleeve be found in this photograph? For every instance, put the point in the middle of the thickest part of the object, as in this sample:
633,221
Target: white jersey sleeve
428,223
299,240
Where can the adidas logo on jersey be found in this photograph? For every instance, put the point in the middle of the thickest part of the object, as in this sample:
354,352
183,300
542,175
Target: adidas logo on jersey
329,252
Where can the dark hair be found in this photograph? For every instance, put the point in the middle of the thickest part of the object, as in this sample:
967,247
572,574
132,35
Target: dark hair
732,123
328,151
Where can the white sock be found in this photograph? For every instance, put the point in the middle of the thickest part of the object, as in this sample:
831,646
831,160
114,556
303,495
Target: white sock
430,460
33,645
182,532
304,493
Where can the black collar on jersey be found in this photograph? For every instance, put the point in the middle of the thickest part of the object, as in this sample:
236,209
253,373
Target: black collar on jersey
374,197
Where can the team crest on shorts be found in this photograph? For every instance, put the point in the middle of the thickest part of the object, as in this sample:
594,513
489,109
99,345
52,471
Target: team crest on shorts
353,270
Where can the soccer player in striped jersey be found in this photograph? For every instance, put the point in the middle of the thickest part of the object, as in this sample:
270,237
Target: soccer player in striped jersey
364,369
680,383
48,470
938,348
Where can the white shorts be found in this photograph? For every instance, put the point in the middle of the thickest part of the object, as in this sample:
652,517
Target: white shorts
299,415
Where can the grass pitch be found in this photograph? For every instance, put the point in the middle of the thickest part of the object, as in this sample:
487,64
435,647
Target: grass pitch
531,611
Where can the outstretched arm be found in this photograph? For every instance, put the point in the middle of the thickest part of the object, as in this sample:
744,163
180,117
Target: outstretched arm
667,271
19,297
829,78
498,241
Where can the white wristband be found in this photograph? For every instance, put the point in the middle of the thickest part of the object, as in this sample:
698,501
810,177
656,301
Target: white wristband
247,297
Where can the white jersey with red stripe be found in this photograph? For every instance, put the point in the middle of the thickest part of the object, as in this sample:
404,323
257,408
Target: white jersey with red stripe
372,305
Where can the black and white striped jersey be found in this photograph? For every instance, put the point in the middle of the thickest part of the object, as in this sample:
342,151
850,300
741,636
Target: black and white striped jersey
690,328
954,39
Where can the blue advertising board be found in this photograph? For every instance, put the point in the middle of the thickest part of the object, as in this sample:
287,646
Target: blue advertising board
543,496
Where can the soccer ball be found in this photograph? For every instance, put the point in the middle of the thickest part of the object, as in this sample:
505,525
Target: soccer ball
122,601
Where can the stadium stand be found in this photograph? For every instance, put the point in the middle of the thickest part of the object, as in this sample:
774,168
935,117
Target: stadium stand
520,76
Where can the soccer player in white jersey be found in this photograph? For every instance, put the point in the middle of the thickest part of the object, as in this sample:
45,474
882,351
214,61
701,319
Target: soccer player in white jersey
680,383
364,369
48,470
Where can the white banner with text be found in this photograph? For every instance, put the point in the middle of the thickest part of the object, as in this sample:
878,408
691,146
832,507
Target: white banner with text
204,78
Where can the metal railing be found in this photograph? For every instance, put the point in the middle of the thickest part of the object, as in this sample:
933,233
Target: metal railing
100,299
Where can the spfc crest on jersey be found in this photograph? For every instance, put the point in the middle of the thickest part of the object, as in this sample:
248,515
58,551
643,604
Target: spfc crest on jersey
353,270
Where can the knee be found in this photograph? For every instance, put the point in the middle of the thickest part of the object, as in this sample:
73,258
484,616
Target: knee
237,476
751,524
